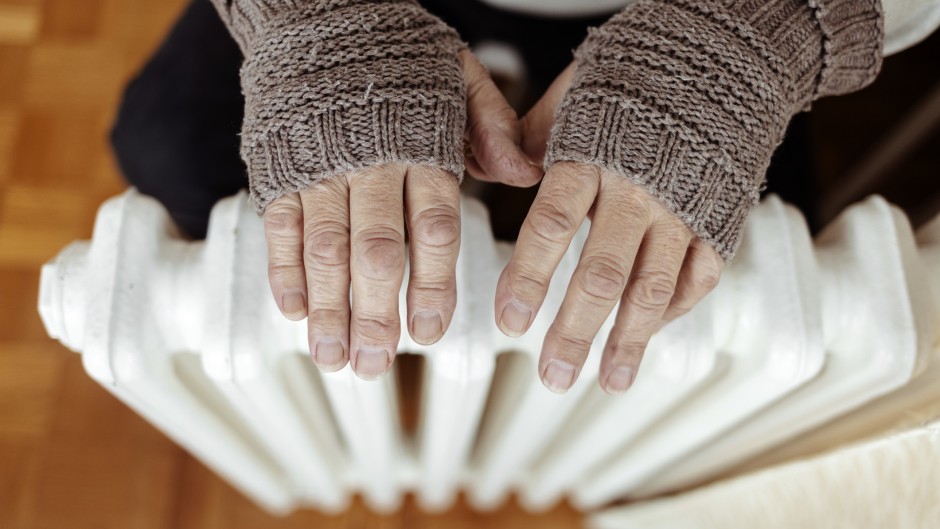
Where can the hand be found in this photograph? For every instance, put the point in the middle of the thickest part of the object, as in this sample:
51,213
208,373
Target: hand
638,253
349,231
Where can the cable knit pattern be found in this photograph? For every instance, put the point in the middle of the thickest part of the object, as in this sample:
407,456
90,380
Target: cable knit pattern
689,98
336,85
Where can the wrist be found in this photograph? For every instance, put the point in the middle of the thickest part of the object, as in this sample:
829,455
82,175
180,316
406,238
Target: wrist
689,98
332,86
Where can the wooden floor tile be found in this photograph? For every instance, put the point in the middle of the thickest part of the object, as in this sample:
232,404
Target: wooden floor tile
71,21
65,76
19,461
14,59
9,129
19,317
101,466
19,23
33,371
37,223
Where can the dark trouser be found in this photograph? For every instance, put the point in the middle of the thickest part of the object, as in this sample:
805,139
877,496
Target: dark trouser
176,135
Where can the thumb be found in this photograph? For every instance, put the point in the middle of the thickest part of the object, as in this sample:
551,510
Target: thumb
494,131
537,124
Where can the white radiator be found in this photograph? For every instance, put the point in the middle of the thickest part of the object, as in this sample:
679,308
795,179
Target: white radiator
797,333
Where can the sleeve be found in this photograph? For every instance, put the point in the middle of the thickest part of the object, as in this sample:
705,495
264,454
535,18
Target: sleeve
336,85
689,98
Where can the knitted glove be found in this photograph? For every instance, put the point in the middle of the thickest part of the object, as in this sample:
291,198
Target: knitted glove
336,85
689,98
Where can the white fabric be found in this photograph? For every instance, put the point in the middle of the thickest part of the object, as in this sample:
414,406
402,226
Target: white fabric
880,484
907,22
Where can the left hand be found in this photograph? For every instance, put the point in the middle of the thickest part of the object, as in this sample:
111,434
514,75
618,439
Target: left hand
349,232
638,253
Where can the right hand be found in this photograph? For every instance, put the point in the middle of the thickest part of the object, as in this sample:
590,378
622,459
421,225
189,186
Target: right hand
639,256
349,231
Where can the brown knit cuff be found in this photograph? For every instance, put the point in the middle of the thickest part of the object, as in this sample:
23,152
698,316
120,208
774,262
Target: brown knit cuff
689,98
853,40
332,86
248,20
688,173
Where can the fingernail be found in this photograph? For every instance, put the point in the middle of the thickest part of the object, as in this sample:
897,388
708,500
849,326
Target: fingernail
371,362
619,380
558,376
515,318
328,354
427,326
294,303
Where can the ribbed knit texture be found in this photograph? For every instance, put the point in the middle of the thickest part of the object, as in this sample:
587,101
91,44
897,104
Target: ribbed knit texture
689,98
336,85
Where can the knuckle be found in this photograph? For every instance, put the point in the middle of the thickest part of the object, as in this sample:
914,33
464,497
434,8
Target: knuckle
381,253
652,290
500,116
283,222
549,220
676,226
282,275
708,276
626,349
708,280
679,311
634,203
675,238
527,282
373,176
578,173
327,245
378,328
437,227
603,278
285,253
570,340
506,116
483,137
436,291
325,318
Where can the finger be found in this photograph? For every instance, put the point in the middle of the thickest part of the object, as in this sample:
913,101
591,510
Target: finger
326,262
563,200
621,218
284,233
537,124
432,199
377,266
494,132
650,288
699,276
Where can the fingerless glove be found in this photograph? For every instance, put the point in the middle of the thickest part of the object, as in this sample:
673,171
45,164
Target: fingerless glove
335,85
689,98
